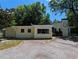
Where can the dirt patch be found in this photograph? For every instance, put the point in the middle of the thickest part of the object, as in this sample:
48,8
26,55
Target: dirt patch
9,43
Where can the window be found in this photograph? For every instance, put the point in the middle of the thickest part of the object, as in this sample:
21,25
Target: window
43,31
22,30
29,30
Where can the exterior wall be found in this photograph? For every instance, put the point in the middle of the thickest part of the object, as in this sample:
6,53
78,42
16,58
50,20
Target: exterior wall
15,31
19,34
36,35
65,27
10,32
65,31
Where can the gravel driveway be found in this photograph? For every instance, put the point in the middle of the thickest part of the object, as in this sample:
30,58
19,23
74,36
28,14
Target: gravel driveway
42,49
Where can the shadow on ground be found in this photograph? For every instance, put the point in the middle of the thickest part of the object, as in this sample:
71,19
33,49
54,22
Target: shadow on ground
71,38
28,38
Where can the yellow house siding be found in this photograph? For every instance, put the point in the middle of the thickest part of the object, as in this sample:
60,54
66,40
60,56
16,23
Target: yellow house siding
16,31
49,35
10,32
25,34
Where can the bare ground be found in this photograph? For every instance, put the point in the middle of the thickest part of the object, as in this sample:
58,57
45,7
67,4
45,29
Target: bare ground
42,49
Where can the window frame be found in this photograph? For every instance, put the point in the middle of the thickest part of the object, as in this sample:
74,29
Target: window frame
43,31
22,30
29,30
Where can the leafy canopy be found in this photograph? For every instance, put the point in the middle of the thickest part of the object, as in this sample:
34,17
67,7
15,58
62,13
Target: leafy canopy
32,14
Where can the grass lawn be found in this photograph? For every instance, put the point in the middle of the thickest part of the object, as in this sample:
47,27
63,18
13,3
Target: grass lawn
8,44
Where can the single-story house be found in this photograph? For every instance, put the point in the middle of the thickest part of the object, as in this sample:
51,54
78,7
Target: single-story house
34,31
37,31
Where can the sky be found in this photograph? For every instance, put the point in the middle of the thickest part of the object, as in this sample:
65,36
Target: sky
15,3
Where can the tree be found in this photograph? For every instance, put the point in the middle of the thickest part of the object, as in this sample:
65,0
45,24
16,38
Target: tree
5,18
32,14
71,19
70,7
24,15
64,5
18,15
45,20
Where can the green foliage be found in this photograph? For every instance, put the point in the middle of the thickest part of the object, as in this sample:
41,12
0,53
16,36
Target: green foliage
32,14
5,19
55,21
64,5
45,20
70,7
72,21
24,15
